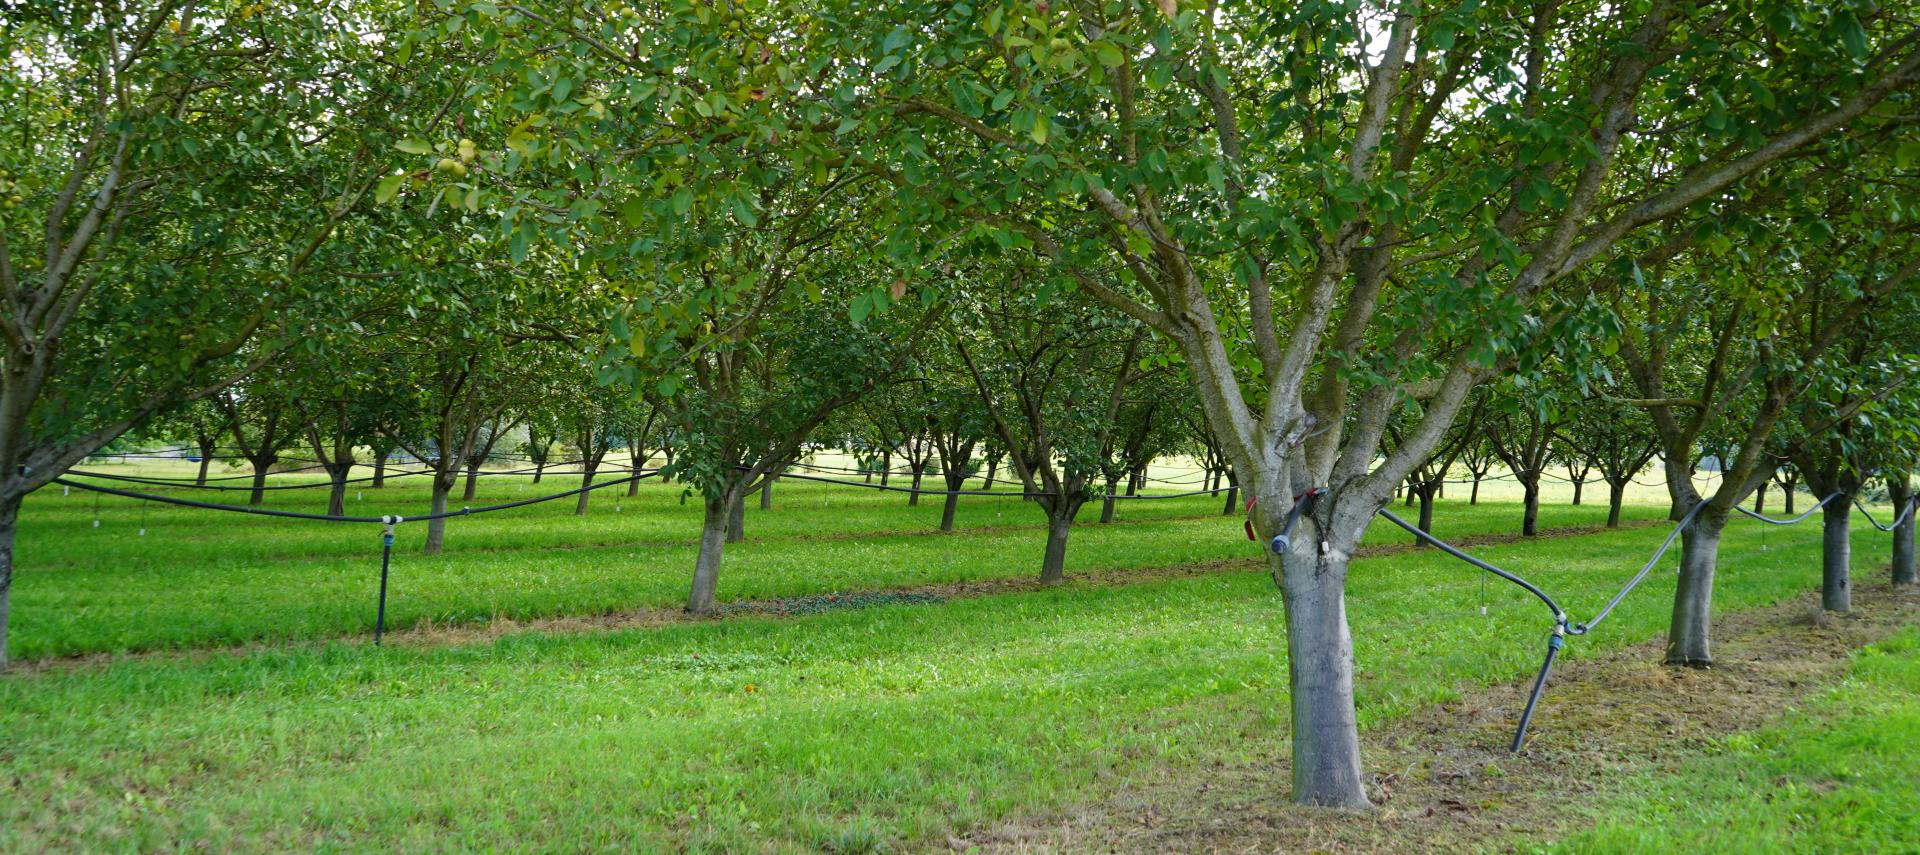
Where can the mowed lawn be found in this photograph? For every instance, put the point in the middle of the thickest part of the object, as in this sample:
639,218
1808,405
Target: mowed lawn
201,578
850,730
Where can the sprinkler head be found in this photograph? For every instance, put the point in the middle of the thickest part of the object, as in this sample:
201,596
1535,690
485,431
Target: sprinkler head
1279,544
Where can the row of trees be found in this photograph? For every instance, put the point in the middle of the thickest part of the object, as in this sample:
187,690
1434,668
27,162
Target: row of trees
1329,224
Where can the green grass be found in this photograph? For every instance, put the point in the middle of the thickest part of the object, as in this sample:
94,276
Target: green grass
1838,776
863,729
201,578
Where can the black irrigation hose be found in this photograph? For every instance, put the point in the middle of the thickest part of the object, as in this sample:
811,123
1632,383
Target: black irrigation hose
1559,615
310,485
1005,494
1904,513
270,512
1771,521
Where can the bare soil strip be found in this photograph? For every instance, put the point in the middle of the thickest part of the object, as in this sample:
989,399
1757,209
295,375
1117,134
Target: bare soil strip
1442,778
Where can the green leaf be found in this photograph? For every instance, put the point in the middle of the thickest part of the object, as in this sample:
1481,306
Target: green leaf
1001,99
1040,128
414,146
1852,36
388,188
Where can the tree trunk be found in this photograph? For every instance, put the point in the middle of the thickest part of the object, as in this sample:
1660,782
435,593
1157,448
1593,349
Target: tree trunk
913,498
1053,568
437,528
379,470
952,505
206,459
337,495
1901,493
706,569
1760,498
473,479
1233,494
1689,637
1426,516
539,469
1578,485
886,467
634,464
737,520
1616,496
1530,518
9,516
1786,496
1133,482
1836,588
587,469
1326,740
1106,503
992,467
259,482
1473,498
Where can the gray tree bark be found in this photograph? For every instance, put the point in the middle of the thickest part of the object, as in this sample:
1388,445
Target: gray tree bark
437,528
1616,497
1836,555
1053,567
1690,636
706,569
737,519
9,517
1901,492
1326,742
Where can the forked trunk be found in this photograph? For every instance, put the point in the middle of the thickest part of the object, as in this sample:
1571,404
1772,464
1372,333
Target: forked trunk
1786,496
1578,485
9,516
1616,496
1836,558
706,568
1690,636
1326,739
